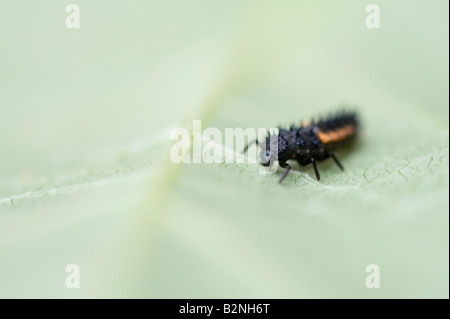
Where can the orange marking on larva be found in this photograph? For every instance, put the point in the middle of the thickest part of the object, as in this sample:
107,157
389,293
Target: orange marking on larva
342,133
337,135
324,137
347,131
334,135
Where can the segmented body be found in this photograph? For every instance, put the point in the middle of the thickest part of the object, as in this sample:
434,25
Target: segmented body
310,142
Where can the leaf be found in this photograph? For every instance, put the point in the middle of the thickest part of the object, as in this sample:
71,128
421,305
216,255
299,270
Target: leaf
86,178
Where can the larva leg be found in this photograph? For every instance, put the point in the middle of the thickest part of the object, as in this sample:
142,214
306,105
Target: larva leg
288,168
316,171
248,145
337,161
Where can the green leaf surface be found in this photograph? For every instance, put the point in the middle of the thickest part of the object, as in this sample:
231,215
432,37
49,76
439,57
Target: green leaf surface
86,179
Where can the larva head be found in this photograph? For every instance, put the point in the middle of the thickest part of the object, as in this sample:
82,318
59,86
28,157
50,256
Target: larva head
272,148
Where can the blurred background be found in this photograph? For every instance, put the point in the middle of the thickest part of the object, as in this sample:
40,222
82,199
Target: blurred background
85,177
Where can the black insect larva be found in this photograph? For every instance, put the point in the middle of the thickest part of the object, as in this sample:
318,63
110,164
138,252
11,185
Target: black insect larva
309,143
